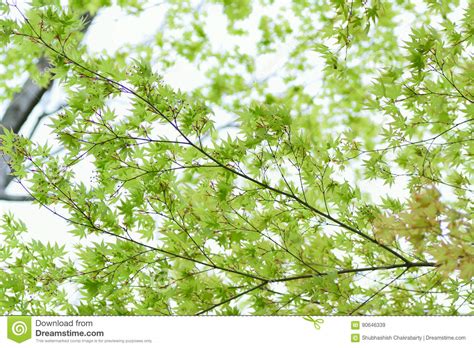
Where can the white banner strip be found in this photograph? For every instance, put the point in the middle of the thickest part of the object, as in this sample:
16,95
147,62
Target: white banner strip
218,332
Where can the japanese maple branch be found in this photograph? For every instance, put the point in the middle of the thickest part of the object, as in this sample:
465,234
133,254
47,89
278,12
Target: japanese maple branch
356,270
96,228
378,292
344,271
233,298
126,89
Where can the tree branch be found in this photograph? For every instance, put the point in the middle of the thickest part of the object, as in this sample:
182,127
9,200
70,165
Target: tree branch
20,109
232,298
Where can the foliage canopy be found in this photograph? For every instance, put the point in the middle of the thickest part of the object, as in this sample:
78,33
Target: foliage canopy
341,184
